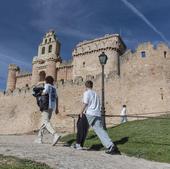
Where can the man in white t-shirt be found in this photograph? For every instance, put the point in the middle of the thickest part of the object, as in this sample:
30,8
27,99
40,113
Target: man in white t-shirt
123,114
49,90
91,108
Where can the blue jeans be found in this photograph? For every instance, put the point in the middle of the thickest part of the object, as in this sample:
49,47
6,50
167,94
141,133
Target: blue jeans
96,123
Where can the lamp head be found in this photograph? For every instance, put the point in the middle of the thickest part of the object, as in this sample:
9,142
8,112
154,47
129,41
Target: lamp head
103,58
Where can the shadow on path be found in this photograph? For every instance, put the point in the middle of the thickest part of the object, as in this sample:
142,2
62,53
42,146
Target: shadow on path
98,147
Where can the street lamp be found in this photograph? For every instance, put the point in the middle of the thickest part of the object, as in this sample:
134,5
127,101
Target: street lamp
103,59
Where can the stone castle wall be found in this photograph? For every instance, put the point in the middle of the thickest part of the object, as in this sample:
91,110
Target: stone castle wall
65,71
143,85
144,78
20,105
23,80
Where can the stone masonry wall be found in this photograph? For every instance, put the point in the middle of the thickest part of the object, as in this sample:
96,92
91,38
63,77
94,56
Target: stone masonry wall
143,85
64,73
22,81
86,60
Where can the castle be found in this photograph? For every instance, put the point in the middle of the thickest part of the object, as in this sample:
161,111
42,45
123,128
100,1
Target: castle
140,79
85,61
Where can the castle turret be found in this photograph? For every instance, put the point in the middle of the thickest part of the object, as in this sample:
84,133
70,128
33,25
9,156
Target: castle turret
48,55
85,56
12,72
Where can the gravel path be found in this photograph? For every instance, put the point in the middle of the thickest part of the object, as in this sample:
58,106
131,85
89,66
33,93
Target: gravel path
60,157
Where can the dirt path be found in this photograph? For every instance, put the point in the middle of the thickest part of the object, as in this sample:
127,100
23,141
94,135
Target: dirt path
60,157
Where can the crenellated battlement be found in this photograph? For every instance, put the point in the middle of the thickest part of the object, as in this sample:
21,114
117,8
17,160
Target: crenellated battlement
112,42
161,51
13,67
23,74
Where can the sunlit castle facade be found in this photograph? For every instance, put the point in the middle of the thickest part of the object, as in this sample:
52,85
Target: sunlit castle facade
84,62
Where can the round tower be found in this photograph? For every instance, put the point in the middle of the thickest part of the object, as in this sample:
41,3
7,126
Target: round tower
11,81
48,55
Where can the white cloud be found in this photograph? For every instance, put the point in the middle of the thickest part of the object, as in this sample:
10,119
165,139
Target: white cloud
5,59
139,14
65,16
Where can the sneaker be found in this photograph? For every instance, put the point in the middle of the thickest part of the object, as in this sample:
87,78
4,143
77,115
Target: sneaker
77,146
38,141
113,150
56,139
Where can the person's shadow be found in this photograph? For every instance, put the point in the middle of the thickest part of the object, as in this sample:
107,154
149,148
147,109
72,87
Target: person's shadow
122,141
98,147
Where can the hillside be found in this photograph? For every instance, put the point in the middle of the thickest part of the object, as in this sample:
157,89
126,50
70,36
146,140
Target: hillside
147,139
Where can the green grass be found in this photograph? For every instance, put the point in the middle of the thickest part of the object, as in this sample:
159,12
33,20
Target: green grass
149,139
8,162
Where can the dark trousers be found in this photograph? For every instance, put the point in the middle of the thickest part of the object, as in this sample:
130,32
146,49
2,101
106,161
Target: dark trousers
82,129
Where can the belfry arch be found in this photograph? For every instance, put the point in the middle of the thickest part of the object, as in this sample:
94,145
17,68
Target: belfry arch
42,76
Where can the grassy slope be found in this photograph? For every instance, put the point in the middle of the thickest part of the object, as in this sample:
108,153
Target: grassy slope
149,139
8,162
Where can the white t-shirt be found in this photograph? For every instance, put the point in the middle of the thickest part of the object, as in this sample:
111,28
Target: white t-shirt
51,90
93,103
123,111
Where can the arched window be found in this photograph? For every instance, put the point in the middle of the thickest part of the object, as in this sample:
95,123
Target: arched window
46,41
165,54
50,40
62,81
84,64
50,49
42,76
43,50
143,54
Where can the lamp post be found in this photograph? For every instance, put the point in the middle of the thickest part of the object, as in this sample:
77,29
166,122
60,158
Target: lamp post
103,59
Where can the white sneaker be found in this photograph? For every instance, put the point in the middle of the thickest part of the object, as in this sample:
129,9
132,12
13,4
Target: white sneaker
38,141
56,139
77,147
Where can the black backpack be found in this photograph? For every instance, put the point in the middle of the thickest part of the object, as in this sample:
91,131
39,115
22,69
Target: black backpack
42,100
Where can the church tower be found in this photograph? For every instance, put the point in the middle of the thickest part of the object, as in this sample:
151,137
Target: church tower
48,56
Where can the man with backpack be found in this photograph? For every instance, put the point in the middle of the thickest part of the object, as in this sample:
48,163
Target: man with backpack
48,102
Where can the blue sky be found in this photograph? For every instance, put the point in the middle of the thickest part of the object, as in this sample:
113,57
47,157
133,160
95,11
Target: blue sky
24,22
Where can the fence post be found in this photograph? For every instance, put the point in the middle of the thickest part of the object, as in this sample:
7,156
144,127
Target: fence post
74,125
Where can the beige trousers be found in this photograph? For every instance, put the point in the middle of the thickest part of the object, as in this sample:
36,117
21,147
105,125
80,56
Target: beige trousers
45,123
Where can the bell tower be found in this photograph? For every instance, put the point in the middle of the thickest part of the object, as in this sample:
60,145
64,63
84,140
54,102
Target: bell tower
48,55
